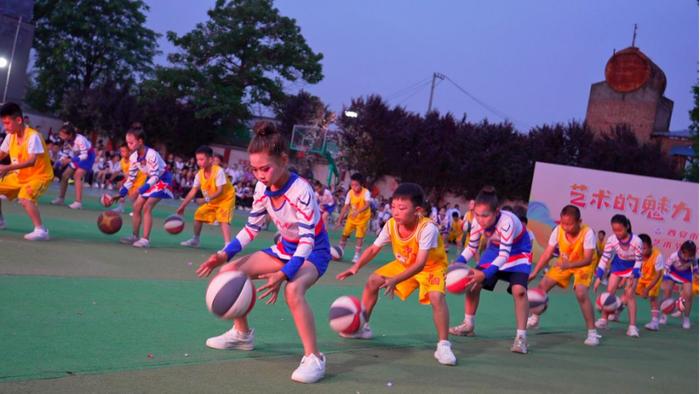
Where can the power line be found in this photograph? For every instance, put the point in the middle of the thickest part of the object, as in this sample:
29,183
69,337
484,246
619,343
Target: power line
486,106
405,90
416,92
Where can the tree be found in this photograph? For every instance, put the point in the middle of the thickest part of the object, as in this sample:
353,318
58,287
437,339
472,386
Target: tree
692,171
242,56
302,108
86,50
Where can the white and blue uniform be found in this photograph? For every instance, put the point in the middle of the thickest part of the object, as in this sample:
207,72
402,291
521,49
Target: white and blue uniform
679,270
159,180
327,201
298,220
509,246
626,257
82,153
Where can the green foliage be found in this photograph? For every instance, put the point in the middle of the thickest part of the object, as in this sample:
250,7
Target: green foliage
88,52
446,155
242,56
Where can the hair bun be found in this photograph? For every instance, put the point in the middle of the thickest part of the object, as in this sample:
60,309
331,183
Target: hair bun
488,190
264,128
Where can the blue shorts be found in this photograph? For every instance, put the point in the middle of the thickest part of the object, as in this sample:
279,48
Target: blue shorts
513,278
679,277
329,208
161,189
84,164
621,268
320,256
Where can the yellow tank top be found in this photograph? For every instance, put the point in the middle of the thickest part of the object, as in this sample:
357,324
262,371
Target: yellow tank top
18,150
140,177
208,185
574,249
406,249
648,269
357,202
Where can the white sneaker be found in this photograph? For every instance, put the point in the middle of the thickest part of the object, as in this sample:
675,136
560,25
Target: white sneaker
192,243
663,319
311,369
601,324
57,201
519,345
365,332
110,187
2,223
686,323
463,330
355,258
233,339
443,354
632,331
652,325
76,205
141,243
592,340
37,235
533,322
129,240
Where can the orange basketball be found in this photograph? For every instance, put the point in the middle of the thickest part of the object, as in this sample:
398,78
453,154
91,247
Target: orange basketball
109,222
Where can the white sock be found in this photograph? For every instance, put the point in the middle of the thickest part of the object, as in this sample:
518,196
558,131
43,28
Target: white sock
195,237
592,332
469,319
521,333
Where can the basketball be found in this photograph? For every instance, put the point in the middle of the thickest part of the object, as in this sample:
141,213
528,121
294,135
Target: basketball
538,300
336,253
668,306
345,315
680,304
458,278
106,200
109,222
230,295
174,224
607,302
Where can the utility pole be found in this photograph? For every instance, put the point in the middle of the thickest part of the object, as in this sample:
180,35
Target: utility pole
12,58
432,89
634,35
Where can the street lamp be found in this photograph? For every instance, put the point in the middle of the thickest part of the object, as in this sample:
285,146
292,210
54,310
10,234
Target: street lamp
351,114
3,62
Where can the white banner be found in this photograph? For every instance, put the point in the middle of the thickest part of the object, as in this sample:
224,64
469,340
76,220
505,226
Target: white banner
666,210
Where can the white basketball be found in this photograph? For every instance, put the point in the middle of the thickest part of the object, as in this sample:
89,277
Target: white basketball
538,300
345,315
458,278
607,302
230,295
336,253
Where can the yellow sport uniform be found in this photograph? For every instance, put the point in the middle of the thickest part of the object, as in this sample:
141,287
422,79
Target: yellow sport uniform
650,266
432,277
140,177
219,209
360,222
455,233
31,182
574,250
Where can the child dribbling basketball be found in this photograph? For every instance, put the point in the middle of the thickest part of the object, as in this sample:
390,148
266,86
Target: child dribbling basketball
421,263
300,258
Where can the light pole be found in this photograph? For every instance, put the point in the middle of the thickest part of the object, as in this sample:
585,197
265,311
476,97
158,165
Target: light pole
9,63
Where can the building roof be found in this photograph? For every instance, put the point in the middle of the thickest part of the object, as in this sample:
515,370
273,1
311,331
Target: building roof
672,134
686,151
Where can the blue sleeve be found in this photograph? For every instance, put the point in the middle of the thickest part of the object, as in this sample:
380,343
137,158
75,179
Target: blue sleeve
292,267
490,271
232,249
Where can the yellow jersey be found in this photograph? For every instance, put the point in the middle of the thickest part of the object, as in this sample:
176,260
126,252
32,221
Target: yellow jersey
217,178
574,248
19,152
357,202
650,266
406,249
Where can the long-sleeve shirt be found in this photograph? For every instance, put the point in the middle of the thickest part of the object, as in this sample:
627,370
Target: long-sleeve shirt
150,164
